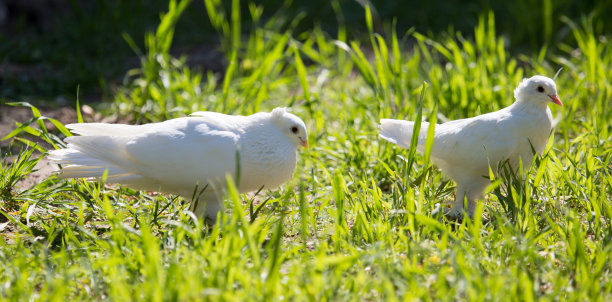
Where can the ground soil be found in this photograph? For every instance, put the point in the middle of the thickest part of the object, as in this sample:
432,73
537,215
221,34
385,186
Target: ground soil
9,115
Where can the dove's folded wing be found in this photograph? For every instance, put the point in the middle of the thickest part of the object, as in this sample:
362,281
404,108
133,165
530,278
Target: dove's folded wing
104,129
400,132
213,120
219,120
175,154
464,143
194,152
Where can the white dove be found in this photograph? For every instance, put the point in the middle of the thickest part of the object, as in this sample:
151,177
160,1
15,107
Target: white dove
177,155
464,149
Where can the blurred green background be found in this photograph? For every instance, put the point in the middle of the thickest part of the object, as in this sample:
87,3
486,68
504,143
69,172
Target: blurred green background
48,48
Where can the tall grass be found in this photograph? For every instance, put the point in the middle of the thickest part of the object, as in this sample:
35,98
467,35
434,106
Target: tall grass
357,221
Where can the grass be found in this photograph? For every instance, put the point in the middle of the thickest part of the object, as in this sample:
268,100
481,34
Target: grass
356,222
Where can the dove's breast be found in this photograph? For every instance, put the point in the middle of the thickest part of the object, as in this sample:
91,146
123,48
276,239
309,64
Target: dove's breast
532,132
267,162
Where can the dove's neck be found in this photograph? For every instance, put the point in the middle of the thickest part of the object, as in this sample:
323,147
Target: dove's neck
534,121
522,105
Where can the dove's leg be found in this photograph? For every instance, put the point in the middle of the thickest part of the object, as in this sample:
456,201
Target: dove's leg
208,207
213,208
456,211
470,194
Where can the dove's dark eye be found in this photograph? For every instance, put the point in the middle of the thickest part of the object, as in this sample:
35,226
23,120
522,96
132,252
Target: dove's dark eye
540,89
294,129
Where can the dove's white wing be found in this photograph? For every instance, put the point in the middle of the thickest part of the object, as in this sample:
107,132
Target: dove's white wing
193,152
400,132
469,145
104,129
214,120
463,145
175,154
219,120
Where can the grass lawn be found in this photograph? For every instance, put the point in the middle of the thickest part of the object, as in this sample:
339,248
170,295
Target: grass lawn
356,222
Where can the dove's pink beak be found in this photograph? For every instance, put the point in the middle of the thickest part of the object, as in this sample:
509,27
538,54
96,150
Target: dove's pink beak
304,142
555,99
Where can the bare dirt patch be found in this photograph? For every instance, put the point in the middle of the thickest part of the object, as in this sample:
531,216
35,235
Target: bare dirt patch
8,116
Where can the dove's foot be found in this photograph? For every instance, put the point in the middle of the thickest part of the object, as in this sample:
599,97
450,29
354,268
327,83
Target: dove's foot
208,209
452,213
210,222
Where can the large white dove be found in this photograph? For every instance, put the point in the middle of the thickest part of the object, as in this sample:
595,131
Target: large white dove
177,155
464,149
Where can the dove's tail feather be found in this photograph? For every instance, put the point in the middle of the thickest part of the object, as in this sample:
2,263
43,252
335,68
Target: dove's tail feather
400,132
103,129
92,157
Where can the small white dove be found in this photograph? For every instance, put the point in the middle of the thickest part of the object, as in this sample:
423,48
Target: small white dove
464,149
177,155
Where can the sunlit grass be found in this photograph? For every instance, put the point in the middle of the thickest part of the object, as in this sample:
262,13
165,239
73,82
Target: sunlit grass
356,221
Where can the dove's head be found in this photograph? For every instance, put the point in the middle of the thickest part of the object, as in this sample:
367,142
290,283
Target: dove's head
538,89
291,125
